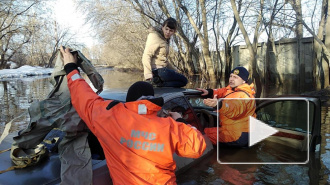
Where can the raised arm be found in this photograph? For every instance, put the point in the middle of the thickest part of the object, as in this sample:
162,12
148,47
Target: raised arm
83,98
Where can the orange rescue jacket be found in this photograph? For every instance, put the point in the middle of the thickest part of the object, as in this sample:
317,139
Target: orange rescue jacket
138,147
234,114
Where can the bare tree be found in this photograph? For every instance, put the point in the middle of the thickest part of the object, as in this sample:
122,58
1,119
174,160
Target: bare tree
216,32
122,25
252,47
296,4
14,29
203,36
271,75
121,32
228,40
321,60
46,37
321,44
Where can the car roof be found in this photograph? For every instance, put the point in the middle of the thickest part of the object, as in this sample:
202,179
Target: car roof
120,94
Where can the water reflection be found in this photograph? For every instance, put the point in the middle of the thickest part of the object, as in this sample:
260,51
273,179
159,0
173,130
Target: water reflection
325,149
211,172
114,79
16,96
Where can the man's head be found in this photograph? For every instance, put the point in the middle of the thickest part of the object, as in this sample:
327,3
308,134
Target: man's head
238,76
169,27
139,89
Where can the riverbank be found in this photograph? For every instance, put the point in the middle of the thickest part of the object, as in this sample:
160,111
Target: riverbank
24,71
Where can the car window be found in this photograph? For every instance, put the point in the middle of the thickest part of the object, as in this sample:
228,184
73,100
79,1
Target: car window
288,114
197,102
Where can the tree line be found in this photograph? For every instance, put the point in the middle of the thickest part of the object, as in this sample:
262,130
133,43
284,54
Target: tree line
29,34
205,27
208,26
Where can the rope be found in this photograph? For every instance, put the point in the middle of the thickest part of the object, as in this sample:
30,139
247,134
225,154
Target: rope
3,136
4,150
12,168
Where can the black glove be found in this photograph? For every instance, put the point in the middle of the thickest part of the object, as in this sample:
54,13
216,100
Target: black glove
156,79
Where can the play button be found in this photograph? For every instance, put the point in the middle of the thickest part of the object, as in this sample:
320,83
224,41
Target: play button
259,131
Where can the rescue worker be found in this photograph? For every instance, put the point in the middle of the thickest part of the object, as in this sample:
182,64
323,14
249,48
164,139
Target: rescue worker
234,114
138,145
157,69
55,117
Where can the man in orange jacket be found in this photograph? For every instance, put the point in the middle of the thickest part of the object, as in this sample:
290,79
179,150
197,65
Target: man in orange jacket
138,145
234,113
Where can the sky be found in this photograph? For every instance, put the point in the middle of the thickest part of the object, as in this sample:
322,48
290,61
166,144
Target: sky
67,16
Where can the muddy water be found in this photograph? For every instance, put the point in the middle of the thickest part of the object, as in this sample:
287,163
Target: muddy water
16,96
325,149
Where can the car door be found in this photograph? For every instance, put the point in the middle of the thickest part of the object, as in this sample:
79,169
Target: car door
295,117
298,119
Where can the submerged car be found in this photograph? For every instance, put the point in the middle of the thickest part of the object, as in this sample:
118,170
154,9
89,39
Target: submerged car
298,132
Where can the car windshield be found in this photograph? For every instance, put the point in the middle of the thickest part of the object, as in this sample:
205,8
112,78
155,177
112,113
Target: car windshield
197,102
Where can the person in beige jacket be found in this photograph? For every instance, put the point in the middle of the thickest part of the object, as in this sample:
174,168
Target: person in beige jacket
157,69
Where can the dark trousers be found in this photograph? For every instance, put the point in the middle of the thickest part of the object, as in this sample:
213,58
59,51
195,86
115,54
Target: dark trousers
242,141
169,78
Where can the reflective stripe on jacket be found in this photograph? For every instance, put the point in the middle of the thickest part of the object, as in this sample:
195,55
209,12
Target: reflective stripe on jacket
234,114
138,147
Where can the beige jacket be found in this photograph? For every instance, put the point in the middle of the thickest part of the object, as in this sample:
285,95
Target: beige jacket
155,53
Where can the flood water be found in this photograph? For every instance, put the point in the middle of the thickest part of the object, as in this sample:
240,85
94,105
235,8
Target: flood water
16,95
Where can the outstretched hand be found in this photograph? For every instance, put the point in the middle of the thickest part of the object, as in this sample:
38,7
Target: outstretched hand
67,56
211,102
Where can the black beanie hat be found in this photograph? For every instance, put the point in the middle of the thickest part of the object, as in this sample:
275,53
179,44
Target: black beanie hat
139,89
241,72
